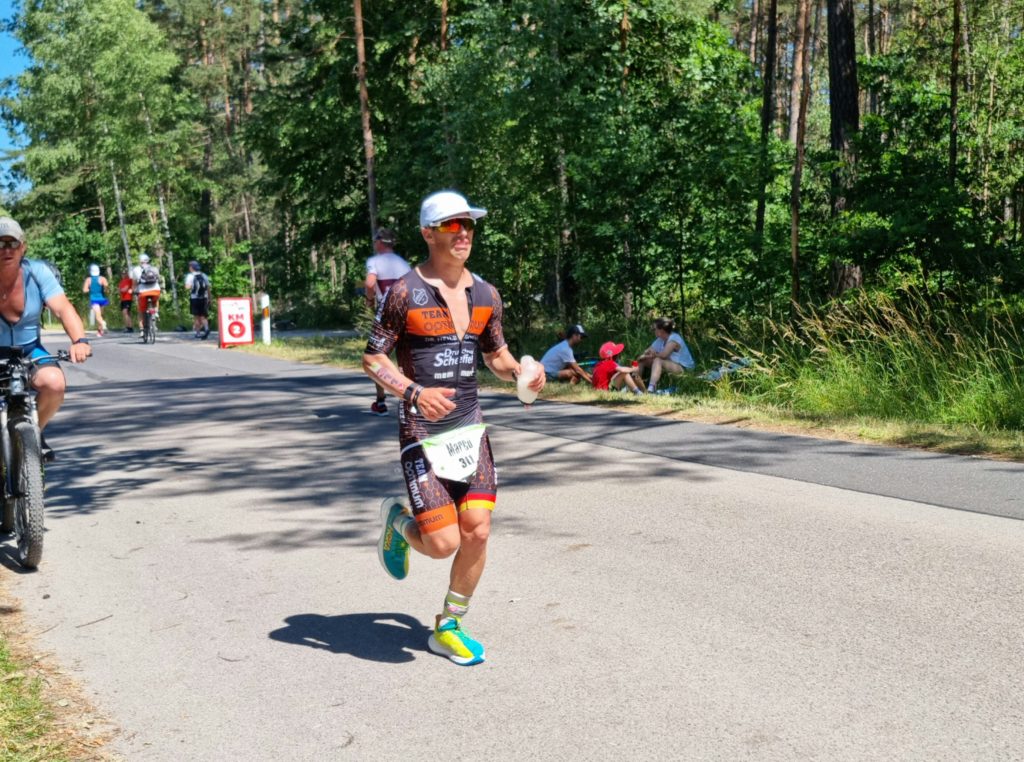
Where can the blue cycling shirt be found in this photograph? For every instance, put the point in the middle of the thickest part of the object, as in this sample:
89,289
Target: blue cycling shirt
40,285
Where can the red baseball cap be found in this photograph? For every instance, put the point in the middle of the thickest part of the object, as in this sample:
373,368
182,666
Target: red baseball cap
609,349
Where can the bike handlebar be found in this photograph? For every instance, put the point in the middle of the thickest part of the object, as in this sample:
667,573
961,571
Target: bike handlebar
62,355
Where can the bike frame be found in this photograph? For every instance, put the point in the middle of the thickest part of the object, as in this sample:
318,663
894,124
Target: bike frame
17,403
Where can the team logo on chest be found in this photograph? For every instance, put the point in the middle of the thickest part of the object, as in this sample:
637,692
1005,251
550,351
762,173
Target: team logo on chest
419,297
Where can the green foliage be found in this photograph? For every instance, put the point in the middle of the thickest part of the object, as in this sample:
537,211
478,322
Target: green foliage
230,273
616,145
875,355
72,247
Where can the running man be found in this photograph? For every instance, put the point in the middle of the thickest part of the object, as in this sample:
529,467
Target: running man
438,317
382,269
96,287
126,289
146,279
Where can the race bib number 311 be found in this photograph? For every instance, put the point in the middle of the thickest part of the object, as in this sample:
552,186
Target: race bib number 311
455,454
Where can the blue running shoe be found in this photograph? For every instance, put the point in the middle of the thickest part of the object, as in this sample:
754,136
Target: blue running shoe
392,549
449,639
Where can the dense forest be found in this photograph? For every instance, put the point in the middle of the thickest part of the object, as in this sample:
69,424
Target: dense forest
710,161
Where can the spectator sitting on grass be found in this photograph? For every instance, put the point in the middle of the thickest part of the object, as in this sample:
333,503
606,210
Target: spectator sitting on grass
608,374
667,352
560,363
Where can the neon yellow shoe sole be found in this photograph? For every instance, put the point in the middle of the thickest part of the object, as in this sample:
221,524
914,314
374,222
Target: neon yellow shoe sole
449,639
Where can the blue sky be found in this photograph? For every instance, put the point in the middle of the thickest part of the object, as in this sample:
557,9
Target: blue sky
12,61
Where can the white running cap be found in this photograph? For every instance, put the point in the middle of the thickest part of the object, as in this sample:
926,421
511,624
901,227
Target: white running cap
444,205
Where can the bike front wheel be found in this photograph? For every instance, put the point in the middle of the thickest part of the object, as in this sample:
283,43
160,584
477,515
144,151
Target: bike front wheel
27,465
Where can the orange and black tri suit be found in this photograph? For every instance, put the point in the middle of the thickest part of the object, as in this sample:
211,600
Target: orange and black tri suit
415,321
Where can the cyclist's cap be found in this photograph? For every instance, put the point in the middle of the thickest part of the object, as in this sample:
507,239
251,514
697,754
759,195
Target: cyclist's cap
94,269
385,235
143,258
11,229
575,330
194,265
446,205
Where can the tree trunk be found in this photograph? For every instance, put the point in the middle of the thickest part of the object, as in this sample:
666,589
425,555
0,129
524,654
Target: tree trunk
364,108
103,211
565,234
800,35
206,196
166,228
755,25
444,24
798,165
767,103
120,216
844,116
873,95
954,80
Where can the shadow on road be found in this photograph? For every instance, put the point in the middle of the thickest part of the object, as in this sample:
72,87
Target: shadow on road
304,440
293,438
389,638
9,556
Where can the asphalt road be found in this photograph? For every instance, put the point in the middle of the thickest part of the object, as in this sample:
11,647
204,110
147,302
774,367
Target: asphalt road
655,589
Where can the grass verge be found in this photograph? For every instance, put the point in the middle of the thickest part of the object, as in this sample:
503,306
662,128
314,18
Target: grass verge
44,714
719,404
26,721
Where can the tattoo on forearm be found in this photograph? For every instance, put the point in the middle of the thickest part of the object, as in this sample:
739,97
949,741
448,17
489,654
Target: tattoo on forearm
387,378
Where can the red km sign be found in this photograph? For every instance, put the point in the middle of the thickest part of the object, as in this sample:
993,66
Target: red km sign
234,316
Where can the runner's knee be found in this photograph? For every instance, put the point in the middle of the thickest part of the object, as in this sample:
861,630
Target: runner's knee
475,530
441,544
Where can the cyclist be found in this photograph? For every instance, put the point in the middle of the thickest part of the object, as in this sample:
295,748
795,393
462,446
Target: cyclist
96,287
438,318
26,286
146,279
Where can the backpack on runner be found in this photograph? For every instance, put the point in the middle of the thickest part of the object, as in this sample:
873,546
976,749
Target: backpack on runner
200,287
148,276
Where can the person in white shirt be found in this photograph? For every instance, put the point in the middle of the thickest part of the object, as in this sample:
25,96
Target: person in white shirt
667,352
382,269
560,363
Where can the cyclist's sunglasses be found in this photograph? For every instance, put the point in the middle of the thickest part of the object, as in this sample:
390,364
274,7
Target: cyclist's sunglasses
454,226
6,244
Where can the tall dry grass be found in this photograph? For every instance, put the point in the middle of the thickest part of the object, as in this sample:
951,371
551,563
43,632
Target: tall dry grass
892,358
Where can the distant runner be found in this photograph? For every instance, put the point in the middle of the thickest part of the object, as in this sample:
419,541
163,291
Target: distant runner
95,285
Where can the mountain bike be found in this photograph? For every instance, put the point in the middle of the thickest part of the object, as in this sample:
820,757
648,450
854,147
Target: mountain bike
21,461
149,320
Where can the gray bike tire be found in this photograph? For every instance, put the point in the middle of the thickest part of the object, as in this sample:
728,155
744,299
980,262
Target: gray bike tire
27,463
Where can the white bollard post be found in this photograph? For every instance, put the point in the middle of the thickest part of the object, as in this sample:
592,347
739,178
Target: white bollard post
265,323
